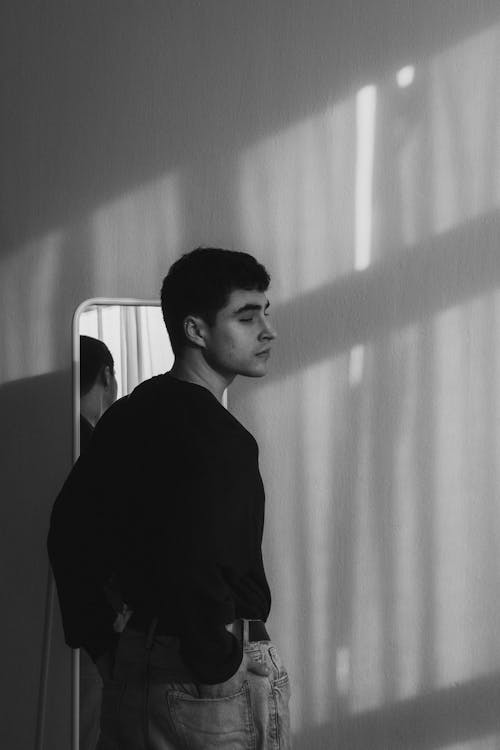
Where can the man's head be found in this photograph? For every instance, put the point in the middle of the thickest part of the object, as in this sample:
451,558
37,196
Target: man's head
97,372
214,301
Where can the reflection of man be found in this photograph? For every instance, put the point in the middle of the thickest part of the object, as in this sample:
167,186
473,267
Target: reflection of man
176,517
98,389
97,385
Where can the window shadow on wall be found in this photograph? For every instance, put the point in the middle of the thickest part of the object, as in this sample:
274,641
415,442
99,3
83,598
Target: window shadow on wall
448,271
36,452
89,147
102,98
438,719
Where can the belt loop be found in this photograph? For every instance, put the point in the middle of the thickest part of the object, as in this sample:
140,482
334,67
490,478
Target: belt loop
151,633
245,632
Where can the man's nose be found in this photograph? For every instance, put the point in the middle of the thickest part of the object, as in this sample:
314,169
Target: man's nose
269,331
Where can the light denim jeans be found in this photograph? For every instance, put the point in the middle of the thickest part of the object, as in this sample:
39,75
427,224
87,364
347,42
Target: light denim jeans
153,703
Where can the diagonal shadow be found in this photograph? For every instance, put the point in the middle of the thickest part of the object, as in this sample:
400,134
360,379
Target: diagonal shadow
90,87
437,719
35,457
400,290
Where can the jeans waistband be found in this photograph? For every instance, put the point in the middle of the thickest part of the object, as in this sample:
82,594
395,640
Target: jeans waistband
248,631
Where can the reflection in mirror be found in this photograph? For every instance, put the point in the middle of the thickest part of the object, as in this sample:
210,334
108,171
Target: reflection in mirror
136,337
134,334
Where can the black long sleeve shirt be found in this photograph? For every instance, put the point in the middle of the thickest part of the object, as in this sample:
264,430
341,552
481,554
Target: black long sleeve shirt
167,499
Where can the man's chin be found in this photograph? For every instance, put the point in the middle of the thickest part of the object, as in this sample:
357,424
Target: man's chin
255,372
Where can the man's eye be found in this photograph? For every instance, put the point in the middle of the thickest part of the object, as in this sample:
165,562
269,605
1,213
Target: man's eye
246,320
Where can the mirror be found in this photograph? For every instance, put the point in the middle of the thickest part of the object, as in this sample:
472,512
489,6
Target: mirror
134,333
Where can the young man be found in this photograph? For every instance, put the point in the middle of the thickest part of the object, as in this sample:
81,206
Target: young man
98,386
177,522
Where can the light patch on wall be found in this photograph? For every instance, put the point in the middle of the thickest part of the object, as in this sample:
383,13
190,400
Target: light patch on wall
356,362
365,143
410,536
343,670
296,188
464,100
366,100
467,518
28,347
318,390
147,222
405,76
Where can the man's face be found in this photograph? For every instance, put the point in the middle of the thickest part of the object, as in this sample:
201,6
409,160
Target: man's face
239,342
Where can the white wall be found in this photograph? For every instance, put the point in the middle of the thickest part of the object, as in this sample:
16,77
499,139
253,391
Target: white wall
135,131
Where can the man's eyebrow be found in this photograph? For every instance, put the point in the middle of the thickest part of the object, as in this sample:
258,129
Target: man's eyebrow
250,307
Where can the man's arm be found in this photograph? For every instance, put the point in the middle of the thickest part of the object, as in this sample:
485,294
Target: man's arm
78,540
86,614
213,524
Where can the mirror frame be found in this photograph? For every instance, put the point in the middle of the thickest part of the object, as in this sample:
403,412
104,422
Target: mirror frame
75,343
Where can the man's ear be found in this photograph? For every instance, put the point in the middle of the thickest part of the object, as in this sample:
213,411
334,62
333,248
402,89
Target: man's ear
195,330
107,376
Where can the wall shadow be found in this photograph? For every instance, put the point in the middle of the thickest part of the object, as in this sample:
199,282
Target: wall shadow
406,289
439,719
90,116
89,89
397,291
35,458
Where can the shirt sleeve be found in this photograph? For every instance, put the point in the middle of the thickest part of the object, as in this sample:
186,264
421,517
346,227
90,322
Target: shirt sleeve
78,546
86,614
215,524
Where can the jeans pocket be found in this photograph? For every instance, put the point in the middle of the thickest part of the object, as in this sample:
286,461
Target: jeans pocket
280,690
208,723
276,662
281,697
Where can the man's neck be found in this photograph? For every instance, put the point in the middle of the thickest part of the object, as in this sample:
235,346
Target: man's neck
194,369
91,406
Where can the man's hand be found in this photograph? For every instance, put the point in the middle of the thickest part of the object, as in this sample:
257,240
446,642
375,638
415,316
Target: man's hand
254,666
223,689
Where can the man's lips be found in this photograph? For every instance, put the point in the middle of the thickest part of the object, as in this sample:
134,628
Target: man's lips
263,353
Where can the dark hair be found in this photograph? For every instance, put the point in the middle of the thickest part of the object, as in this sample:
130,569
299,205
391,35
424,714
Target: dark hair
200,282
94,357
